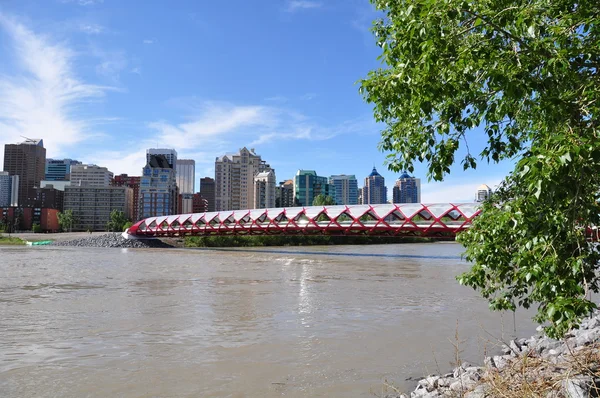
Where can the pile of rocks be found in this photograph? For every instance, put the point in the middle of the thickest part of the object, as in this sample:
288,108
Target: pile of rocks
536,358
113,240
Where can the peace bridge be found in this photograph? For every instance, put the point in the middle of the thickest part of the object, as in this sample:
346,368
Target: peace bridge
414,219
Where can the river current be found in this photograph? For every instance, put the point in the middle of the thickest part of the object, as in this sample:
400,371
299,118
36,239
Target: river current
334,321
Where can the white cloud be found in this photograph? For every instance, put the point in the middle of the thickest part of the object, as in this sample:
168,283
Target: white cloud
295,5
112,63
215,122
308,96
120,162
136,71
453,191
148,41
39,100
91,29
223,127
84,2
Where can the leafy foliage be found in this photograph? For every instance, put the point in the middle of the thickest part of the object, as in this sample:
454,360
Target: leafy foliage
323,200
525,75
66,220
117,221
128,224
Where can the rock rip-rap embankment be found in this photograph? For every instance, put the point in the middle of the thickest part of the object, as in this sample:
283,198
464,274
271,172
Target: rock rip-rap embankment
535,367
113,240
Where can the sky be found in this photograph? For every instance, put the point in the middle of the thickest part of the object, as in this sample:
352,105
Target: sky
101,81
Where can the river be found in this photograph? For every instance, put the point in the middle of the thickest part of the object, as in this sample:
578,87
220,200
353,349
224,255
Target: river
332,321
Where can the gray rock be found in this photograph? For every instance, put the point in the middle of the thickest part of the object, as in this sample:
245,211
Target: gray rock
577,387
515,347
478,392
497,361
113,240
428,383
546,344
444,382
586,337
462,385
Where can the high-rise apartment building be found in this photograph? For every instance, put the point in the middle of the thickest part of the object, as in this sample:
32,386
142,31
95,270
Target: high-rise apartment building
46,198
207,191
169,154
199,203
133,182
27,160
407,189
91,206
308,185
483,193
9,190
158,188
234,179
374,191
284,194
186,176
90,175
186,203
59,169
264,190
346,189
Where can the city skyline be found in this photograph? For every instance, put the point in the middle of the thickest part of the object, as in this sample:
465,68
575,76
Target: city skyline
117,86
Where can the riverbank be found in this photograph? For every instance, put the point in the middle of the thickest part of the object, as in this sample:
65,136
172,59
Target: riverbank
112,240
297,240
534,367
11,241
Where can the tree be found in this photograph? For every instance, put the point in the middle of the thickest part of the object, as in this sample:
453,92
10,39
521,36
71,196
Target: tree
66,220
524,76
127,225
323,200
117,220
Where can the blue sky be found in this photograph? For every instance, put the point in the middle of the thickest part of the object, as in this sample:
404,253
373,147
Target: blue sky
103,80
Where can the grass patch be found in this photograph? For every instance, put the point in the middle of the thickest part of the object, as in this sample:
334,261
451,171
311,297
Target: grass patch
5,240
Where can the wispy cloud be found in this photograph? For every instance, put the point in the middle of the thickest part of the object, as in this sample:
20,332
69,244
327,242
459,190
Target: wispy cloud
39,101
308,96
112,63
84,2
454,191
279,99
136,71
148,41
296,5
91,28
215,121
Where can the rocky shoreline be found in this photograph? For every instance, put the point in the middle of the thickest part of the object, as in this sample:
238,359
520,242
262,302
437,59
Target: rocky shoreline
113,240
533,367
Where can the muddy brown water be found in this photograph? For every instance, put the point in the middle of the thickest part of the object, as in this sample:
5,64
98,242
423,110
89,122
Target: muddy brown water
295,322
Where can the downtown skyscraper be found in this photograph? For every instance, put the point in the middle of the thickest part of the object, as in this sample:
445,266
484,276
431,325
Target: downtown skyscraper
27,160
374,191
346,189
158,188
407,189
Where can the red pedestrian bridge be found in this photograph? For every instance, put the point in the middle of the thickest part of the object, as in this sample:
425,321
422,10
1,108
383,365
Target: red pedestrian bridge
415,219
